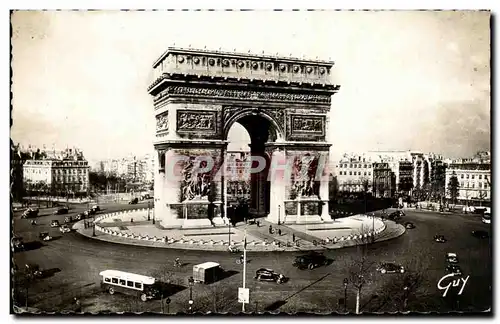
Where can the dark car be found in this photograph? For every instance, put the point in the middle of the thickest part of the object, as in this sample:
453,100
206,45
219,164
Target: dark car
439,238
54,223
453,268
451,257
480,234
62,210
409,225
68,219
89,212
18,243
96,208
310,261
269,275
34,270
30,212
394,216
80,216
388,267
133,201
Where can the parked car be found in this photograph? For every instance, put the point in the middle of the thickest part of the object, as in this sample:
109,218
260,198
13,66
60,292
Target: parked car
62,210
80,216
480,234
89,212
451,257
394,216
68,219
96,208
64,229
30,212
133,201
34,270
310,261
269,275
439,238
409,225
18,243
388,267
44,236
453,268
54,223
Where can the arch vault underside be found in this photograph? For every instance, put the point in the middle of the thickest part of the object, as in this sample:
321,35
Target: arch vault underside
282,102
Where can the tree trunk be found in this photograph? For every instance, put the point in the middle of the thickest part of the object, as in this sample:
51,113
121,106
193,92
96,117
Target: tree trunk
357,300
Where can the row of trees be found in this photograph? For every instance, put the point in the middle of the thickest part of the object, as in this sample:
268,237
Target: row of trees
104,182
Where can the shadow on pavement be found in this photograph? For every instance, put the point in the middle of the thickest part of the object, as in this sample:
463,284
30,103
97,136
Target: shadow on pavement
50,272
226,274
29,246
169,289
274,306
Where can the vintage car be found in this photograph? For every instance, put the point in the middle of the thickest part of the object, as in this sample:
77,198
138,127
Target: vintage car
62,210
133,201
64,229
44,236
439,238
409,225
264,274
389,267
451,257
68,219
89,212
96,208
34,270
79,216
310,261
54,223
30,212
18,243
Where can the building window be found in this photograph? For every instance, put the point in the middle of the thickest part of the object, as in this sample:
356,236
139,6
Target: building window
485,186
472,177
350,172
467,176
461,184
350,165
472,185
480,176
365,173
480,185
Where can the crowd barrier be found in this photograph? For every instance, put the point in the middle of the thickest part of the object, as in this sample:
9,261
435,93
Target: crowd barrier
334,240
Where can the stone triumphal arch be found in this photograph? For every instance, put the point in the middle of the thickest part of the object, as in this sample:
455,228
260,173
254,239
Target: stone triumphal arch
282,102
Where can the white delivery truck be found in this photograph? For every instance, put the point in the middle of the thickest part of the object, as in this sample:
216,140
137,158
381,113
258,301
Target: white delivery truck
207,272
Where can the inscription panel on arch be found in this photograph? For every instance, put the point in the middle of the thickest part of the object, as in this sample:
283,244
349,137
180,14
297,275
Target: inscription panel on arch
196,121
307,124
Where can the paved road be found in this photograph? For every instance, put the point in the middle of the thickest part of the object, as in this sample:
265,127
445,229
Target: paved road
80,259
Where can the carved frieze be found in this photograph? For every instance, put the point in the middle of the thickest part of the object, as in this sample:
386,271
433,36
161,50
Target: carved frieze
304,176
307,124
195,185
244,95
191,120
162,122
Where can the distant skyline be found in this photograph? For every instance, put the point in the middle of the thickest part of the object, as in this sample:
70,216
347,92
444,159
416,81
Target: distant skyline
409,80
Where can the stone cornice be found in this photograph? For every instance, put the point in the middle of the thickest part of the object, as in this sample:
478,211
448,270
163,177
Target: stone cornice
239,66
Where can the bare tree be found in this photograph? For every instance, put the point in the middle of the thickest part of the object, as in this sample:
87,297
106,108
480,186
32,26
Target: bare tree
360,266
165,275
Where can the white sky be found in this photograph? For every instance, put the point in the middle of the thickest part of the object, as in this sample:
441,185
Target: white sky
409,80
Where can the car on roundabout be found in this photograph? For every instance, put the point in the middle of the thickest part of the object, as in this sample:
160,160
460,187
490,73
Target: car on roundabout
64,229
34,270
79,216
133,201
44,236
389,267
394,216
61,211
89,212
310,261
480,234
264,274
54,223
18,243
409,225
96,208
30,212
439,238
454,269
451,257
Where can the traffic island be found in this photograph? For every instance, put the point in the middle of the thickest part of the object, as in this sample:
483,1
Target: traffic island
136,228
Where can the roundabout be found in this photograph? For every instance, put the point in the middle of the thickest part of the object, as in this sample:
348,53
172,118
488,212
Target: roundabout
135,227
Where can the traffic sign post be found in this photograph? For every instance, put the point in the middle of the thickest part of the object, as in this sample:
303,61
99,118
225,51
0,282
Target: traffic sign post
244,295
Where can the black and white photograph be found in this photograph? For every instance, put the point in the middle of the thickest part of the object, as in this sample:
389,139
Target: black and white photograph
250,162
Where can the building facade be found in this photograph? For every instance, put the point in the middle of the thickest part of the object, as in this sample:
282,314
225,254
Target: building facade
355,173
474,180
63,173
384,180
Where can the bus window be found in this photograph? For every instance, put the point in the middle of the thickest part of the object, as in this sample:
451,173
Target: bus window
138,285
130,284
114,280
107,280
122,282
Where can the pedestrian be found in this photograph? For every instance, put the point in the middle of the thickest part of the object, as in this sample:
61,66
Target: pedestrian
279,231
78,305
293,237
270,229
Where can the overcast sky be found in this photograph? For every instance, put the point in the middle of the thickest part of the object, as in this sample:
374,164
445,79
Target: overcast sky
409,80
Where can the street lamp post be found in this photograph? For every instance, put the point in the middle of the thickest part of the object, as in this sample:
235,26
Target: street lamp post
93,226
346,281
153,216
191,283
279,214
148,212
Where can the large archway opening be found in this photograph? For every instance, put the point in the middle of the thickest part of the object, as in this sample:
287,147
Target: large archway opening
247,135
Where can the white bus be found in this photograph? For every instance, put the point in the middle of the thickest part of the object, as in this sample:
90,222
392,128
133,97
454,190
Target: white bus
141,286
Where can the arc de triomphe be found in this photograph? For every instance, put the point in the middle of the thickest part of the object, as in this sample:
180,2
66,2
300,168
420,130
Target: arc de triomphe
282,102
